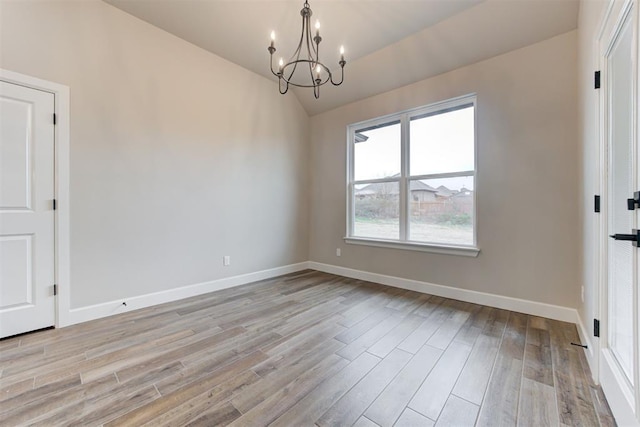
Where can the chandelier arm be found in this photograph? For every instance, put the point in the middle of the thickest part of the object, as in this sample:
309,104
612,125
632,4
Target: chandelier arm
286,85
296,55
293,70
306,35
298,48
341,78
313,62
313,80
271,65
315,51
312,44
271,50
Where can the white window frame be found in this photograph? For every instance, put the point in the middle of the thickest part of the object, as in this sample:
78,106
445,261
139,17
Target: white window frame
404,117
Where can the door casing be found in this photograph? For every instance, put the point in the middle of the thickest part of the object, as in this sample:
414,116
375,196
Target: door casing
61,186
609,378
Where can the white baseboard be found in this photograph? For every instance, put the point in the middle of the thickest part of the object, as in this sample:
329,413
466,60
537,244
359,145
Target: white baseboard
97,311
564,314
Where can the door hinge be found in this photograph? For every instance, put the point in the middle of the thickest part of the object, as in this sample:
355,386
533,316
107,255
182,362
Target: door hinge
596,80
55,205
635,202
596,328
55,290
596,203
55,119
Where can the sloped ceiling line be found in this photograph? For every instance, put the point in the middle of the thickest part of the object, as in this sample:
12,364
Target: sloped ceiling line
389,43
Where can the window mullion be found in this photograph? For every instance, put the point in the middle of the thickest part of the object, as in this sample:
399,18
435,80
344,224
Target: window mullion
443,175
351,181
376,181
404,183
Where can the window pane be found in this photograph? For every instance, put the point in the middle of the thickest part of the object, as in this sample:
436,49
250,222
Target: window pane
377,211
442,142
377,152
441,210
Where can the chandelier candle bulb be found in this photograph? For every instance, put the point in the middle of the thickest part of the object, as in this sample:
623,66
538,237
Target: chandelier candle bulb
317,28
341,53
273,38
280,66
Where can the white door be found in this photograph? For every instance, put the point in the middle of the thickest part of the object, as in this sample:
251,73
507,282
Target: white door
27,272
619,334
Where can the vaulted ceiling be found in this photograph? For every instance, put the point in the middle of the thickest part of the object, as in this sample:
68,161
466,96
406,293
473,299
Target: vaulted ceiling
389,43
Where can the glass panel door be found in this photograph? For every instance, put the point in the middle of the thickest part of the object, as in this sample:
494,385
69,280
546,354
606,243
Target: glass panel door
621,254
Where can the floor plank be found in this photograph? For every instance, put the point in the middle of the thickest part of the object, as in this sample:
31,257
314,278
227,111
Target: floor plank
475,375
391,340
500,404
411,418
314,404
276,380
537,405
458,412
281,400
188,391
369,338
427,328
449,329
386,409
193,409
351,406
432,395
365,422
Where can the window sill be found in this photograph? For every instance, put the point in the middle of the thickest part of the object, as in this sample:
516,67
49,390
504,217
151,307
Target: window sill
470,251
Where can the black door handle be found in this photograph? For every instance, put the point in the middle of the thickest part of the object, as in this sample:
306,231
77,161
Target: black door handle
631,237
635,237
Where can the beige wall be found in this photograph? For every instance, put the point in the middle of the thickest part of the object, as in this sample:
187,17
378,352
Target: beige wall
527,186
178,157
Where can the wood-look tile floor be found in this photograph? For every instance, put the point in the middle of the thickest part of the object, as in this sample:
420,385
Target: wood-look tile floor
303,349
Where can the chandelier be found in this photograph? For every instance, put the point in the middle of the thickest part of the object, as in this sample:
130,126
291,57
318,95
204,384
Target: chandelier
306,59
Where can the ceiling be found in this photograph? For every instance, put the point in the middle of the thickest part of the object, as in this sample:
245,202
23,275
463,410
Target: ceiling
388,43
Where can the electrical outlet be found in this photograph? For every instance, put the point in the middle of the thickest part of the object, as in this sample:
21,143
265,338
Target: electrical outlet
338,252
582,294
226,261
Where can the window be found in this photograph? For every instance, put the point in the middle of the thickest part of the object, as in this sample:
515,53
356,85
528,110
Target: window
412,179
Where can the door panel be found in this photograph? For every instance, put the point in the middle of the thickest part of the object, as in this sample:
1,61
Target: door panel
26,209
16,164
16,257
